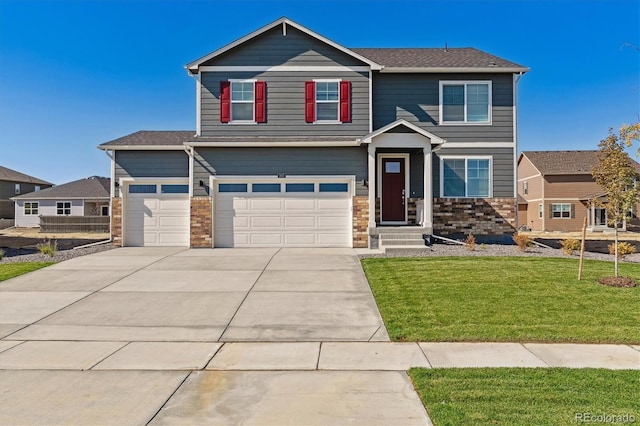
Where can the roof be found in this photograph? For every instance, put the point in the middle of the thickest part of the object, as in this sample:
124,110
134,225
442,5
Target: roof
152,138
14,176
91,187
445,59
565,162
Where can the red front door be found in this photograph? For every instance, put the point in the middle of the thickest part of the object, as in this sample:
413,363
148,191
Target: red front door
393,190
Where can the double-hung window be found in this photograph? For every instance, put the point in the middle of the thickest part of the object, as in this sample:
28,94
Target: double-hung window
466,177
463,102
63,208
31,209
327,101
561,211
243,101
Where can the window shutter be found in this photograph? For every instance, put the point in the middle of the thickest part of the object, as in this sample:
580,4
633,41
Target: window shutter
225,101
309,101
551,211
573,211
261,101
345,101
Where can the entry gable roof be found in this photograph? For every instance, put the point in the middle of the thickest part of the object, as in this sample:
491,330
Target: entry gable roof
401,122
192,67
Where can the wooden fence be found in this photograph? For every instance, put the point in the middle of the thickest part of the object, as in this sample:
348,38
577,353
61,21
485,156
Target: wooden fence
74,223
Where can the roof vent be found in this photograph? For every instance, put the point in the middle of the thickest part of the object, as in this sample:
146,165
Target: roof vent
446,49
492,64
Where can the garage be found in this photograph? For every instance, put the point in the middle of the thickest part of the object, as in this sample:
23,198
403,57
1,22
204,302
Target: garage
156,214
279,212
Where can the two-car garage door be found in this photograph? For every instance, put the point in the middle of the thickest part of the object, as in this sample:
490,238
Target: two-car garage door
283,213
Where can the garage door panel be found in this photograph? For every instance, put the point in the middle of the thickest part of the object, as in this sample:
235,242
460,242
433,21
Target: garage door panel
266,239
299,204
266,222
300,221
265,204
333,239
298,239
172,221
333,204
333,222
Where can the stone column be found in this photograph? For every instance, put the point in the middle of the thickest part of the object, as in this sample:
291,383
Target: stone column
116,221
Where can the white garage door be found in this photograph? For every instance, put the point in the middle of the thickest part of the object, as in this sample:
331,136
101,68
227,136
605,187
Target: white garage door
289,213
156,215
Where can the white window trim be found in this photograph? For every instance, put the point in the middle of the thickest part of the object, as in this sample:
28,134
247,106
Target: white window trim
316,101
561,210
466,188
540,211
31,203
252,102
465,122
63,208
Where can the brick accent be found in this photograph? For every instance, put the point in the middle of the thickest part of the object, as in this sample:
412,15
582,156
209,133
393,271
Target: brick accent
116,221
201,222
360,221
481,216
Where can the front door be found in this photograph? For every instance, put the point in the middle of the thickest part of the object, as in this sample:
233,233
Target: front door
393,208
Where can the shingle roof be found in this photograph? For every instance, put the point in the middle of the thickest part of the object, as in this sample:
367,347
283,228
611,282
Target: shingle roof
14,176
566,162
91,187
153,138
460,57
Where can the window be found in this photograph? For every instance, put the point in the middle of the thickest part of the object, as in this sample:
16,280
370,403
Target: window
465,102
232,187
31,209
17,188
540,211
466,177
525,187
37,188
265,187
142,189
174,189
392,167
300,187
334,187
243,101
561,211
105,211
63,208
327,101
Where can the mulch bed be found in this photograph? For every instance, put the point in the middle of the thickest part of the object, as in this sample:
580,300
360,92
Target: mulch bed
623,282
594,246
17,246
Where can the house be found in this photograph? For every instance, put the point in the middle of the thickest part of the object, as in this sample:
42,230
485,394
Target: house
300,141
83,197
14,183
556,191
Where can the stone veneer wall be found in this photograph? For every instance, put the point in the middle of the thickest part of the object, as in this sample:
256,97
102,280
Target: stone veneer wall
116,221
360,221
201,222
481,216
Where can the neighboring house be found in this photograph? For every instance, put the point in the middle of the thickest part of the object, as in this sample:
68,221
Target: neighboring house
301,141
557,191
84,197
14,183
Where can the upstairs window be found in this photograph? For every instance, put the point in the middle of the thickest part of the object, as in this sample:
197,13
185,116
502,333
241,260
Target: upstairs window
243,101
465,102
63,208
525,187
327,101
17,188
466,177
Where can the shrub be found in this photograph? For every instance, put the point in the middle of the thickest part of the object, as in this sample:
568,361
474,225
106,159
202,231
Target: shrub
570,245
49,248
470,242
1,254
624,248
523,241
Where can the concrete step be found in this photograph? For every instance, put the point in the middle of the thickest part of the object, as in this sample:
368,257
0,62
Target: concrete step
406,249
401,230
387,243
401,237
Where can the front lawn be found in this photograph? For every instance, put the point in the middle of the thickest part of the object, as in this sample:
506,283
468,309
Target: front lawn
528,396
10,270
503,299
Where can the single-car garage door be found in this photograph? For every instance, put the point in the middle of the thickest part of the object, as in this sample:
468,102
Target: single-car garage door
156,214
283,213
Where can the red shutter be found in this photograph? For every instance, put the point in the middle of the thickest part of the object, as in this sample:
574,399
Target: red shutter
225,101
309,101
345,101
261,101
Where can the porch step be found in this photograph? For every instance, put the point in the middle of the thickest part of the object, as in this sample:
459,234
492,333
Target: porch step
402,241
387,243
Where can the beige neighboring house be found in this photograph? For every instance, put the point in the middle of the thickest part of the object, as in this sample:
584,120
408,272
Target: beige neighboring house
556,192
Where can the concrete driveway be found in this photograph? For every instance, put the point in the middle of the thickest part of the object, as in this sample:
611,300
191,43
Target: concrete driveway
175,336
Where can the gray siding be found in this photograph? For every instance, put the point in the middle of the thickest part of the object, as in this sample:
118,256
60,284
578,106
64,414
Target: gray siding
503,168
151,164
272,161
285,105
274,48
416,98
8,190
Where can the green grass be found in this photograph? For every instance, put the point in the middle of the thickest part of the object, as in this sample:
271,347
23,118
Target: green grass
11,270
508,299
526,396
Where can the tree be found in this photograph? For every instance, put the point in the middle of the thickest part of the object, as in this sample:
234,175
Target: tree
630,133
617,176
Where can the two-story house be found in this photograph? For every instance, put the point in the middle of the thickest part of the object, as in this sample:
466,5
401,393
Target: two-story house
557,192
14,183
300,141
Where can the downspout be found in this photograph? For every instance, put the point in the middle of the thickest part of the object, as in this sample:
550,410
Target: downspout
516,79
112,189
189,150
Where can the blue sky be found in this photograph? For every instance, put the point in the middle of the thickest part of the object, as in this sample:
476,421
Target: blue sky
74,74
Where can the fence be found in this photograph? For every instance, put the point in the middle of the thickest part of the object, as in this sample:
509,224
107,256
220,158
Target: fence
74,223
